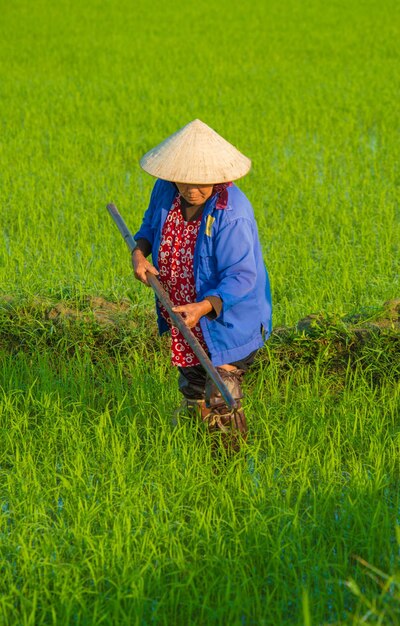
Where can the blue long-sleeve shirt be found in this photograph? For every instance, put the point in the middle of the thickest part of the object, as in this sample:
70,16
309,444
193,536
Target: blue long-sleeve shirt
227,263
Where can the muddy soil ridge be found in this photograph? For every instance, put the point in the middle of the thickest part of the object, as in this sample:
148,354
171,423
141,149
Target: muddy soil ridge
105,313
363,323
89,310
101,326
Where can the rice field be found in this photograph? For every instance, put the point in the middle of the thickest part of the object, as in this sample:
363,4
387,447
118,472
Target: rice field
110,514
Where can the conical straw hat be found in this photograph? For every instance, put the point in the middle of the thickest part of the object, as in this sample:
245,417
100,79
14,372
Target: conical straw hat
196,154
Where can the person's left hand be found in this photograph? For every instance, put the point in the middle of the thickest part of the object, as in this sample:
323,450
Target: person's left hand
191,313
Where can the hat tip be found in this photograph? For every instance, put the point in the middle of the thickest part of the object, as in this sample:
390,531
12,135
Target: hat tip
197,122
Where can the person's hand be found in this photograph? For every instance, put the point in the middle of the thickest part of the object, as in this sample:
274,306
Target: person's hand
141,265
191,313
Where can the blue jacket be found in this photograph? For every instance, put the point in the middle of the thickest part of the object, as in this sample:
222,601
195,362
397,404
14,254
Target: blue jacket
227,263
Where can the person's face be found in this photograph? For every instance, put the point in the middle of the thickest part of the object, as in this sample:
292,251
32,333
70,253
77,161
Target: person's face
195,194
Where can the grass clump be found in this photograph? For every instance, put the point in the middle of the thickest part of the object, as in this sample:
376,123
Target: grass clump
108,514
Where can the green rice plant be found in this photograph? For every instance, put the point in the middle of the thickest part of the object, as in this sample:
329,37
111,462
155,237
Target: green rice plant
111,513
294,87
108,513
384,606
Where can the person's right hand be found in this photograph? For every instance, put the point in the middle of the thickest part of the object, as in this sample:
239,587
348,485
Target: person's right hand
141,265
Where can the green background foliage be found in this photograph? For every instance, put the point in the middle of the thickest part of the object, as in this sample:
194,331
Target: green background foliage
108,515
308,91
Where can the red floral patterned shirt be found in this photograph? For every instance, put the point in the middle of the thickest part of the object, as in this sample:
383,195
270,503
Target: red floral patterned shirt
175,261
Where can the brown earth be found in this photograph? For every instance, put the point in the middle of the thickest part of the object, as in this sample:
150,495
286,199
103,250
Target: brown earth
361,324
370,338
106,313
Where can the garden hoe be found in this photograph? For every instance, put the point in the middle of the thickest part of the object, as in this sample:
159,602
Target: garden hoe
177,318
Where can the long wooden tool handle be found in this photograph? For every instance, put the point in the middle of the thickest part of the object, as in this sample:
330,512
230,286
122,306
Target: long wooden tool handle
177,319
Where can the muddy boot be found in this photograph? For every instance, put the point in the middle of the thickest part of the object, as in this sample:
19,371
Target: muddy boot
191,382
229,424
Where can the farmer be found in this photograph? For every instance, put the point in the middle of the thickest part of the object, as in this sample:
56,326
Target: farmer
201,232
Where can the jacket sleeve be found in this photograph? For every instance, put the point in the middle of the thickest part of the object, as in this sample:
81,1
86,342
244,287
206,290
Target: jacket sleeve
146,231
235,263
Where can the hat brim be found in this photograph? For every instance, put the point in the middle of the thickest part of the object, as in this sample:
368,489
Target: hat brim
196,154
